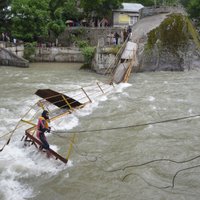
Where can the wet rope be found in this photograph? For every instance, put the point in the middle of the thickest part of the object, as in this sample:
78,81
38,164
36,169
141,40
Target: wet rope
81,153
85,154
131,126
100,157
163,187
156,160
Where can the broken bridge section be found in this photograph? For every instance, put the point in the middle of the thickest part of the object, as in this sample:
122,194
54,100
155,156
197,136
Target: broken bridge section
126,63
58,99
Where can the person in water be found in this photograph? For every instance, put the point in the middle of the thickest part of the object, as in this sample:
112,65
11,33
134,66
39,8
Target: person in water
42,127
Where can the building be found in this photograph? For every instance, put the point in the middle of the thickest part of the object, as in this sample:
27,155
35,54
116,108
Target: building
127,15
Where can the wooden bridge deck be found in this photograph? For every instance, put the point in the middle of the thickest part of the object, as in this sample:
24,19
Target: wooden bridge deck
33,140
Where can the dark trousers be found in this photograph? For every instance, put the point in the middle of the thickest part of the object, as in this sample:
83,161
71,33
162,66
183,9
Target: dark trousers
45,144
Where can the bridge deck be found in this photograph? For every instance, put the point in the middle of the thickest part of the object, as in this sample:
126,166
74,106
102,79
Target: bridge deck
37,143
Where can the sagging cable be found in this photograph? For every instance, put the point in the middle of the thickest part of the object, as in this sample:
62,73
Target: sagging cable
131,126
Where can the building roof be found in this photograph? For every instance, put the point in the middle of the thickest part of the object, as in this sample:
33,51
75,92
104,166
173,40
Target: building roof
130,7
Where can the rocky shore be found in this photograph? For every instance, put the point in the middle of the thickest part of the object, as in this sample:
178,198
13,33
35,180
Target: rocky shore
166,42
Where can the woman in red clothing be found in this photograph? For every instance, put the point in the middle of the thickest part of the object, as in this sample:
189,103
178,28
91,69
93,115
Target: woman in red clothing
43,127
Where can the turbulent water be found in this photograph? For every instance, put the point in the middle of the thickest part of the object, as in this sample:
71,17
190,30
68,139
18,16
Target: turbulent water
105,163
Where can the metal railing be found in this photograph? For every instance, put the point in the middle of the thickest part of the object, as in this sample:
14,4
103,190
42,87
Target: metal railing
84,95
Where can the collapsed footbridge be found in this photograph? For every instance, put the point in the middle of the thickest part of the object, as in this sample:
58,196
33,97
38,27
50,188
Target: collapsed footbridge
119,66
62,104
125,62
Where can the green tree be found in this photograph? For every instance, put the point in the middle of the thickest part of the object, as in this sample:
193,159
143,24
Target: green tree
56,24
193,8
4,15
71,11
53,6
184,2
3,4
100,8
60,11
30,19
68,9
143,2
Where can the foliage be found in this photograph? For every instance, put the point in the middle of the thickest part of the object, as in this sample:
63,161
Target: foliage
82,44
29,19
171,33
100,8
60,11
4,15
143,2
87,51
29,50
70,10
54,5
57,26
194,8
193,32
112,50
4,4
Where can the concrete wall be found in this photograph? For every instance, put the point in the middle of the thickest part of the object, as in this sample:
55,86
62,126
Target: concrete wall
9,58
15,49
58,54
66,54
102,61
87,33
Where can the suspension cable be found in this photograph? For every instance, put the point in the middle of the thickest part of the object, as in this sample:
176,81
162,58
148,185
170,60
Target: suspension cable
131,126
85,154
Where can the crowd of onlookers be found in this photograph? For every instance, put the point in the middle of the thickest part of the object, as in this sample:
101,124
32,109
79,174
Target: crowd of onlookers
88,23
119,38
114,38
5,37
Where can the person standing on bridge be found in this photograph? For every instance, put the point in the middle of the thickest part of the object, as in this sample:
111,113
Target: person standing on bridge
116,36
42,127
129,31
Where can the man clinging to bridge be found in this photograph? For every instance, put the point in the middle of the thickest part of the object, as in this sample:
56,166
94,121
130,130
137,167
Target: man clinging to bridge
42,127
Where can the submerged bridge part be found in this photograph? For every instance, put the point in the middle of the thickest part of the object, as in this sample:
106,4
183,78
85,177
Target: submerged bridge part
126,61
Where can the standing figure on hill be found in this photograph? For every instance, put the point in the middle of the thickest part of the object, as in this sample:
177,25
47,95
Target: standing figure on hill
43,127
3,36
125,34
116,36
129,31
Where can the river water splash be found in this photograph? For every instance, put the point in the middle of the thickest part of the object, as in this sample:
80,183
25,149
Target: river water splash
102,163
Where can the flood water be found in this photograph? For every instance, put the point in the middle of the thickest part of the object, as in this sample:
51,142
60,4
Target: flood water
106,161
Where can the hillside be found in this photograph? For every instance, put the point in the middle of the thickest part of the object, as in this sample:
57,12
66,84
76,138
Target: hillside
166,42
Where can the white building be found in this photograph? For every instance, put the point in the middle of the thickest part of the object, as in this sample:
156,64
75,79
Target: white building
126,16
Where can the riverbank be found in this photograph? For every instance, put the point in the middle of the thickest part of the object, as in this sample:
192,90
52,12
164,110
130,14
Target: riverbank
58,54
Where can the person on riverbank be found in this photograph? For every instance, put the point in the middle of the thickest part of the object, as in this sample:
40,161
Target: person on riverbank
42,127
116,36
125,34
129,31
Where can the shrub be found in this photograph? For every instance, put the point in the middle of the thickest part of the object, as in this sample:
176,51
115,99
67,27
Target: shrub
87,51
29,50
